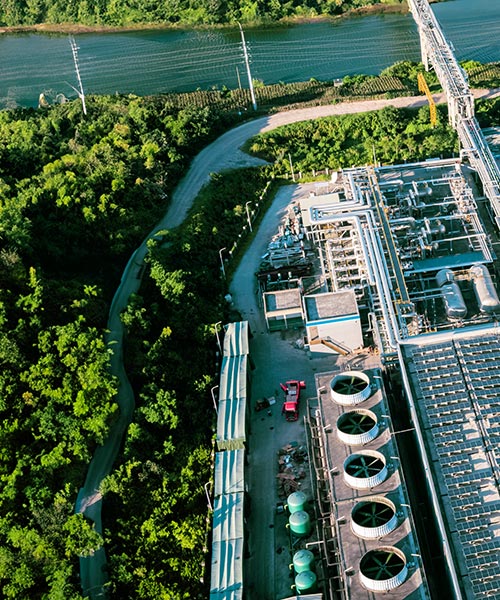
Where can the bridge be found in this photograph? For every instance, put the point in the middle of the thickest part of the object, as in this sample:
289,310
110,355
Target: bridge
437,53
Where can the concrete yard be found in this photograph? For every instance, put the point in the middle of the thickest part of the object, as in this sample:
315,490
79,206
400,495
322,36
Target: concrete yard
276,358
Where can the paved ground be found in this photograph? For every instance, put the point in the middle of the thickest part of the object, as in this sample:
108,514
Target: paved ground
276,359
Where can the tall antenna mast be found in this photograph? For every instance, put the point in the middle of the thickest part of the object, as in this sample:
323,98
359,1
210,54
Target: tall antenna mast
80,92
250,81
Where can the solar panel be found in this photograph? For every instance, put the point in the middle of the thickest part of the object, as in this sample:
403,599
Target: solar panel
460,386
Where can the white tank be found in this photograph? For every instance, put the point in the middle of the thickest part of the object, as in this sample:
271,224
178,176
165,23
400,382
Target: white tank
486,294
453,301
444,276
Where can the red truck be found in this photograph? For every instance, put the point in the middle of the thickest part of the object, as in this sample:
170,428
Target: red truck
290,406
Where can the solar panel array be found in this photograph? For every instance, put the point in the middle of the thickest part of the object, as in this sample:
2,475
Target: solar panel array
460,385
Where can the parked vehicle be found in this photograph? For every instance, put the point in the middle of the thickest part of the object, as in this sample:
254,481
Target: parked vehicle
290,406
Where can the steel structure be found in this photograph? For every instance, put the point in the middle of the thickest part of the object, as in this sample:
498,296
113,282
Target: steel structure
436,52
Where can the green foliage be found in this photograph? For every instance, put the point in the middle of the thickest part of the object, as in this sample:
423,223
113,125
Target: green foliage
76,197
158,488
394,135
187,12
479,75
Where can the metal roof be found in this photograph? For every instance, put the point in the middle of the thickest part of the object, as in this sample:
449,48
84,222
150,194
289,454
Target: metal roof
233,378
228,517
227,570
229,472
236,339
231,419
227,548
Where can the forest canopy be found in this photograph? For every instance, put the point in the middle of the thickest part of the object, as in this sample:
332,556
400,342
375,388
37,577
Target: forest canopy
117,13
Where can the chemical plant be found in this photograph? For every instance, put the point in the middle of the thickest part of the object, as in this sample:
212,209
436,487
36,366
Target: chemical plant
391,272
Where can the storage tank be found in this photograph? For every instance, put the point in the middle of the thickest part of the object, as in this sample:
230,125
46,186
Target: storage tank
444,276
296,502
303,560
305,583
454,304
300,523
486,294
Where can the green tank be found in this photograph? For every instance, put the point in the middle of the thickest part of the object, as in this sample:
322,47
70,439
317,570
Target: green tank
296,501
305,583
303,560
300,523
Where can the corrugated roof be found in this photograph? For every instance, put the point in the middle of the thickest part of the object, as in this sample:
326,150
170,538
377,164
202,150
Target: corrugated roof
233,378
227,570
229,472
227,548
228,518
236,339
231,432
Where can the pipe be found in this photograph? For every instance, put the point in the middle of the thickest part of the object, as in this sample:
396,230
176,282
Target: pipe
410,221
356,218
371,248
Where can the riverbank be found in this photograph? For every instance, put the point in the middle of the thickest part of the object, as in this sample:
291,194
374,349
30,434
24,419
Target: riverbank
78,28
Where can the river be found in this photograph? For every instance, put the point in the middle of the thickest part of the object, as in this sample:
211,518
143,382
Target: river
149,62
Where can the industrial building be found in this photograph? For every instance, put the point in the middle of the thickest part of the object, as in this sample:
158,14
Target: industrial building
393,270
411,245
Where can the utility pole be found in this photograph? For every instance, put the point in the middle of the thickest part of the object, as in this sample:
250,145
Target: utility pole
80,92
291,166
245,54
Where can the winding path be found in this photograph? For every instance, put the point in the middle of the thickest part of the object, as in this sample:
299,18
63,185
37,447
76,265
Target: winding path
222,154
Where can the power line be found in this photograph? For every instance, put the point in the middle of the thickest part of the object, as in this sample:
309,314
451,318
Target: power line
80,92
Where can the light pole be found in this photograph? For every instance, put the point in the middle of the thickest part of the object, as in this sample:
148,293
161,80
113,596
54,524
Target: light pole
208,495
217,335
222,262
248,214
213,397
